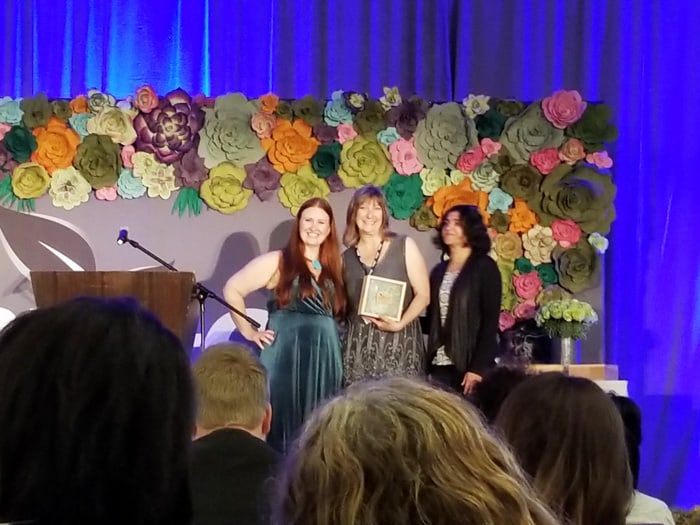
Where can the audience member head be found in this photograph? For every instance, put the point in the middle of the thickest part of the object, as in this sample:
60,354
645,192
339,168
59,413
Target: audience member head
492,390
365,195
463,225
232,391
632,420
96,412
569,437
400,451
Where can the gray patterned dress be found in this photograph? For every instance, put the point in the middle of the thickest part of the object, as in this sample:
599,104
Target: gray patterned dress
370,353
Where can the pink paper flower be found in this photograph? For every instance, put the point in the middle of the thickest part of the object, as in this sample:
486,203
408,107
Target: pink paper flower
545,160
572,151
563,108
146,99
263,124
126,154
346,132
506,321
525,310
527,285
600,159
566,232
107,193
404,156
470,160
490,147
4,128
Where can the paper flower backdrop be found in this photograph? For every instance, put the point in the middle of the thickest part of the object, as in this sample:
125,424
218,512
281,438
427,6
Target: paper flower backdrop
538,172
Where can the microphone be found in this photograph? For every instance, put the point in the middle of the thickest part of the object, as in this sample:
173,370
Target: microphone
123,236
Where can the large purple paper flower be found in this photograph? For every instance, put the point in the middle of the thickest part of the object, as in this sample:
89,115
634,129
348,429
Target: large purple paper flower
262,178
406,115
169,130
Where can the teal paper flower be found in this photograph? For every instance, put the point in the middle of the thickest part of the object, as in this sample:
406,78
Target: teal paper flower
523,265
128,186
547,273
336,111
403,195
79,123
388,135
10,112
499,200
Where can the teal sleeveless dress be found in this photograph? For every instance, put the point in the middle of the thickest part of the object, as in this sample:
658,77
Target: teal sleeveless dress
304,362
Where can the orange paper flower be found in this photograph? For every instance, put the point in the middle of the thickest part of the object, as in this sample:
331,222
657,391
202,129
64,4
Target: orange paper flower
522,218
291,146
57,145
269,102
462,193
79,104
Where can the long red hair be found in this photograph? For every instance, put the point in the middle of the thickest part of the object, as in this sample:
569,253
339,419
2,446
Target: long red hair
293,264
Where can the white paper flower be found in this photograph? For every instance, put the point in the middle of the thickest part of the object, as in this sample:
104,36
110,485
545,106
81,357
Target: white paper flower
68,188
476,105
160,181
484,177
115,123
143,163
538,244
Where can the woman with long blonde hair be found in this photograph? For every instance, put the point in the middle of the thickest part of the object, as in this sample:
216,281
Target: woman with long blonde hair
397,451
375,347
300,347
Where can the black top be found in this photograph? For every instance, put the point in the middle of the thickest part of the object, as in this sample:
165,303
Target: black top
470,333
230,478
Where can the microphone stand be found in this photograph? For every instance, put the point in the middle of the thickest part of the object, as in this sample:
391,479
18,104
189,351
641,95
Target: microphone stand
201,292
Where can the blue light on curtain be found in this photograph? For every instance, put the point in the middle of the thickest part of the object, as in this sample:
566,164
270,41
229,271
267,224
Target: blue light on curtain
642,58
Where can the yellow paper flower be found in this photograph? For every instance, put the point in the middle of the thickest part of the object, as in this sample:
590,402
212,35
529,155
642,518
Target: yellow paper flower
508,246
29,180
68,188
364,162
297,188
223,190
433,179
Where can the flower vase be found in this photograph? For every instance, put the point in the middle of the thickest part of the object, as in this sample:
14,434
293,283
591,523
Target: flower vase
568,353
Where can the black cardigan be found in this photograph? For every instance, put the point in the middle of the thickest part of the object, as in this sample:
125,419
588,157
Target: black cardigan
470,333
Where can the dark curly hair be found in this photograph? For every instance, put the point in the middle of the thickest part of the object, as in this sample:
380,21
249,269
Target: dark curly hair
97,413
473,226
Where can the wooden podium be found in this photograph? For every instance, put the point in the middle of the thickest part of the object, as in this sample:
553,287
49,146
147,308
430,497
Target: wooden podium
594,371
169,295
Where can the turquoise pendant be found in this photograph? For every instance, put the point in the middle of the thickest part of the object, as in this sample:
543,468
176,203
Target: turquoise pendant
316,265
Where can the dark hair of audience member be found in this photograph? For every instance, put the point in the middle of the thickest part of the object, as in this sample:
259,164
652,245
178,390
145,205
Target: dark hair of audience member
490,393
632,420
399,451
569,437
96,412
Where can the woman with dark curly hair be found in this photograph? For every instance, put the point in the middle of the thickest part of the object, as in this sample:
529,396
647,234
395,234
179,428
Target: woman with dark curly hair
465,301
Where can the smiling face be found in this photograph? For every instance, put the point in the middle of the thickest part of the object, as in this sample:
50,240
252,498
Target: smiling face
370,217
452,231
314,226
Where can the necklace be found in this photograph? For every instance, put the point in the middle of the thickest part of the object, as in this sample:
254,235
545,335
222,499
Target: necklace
370,269
315,264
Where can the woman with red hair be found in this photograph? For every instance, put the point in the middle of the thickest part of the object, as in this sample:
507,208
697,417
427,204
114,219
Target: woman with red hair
300,347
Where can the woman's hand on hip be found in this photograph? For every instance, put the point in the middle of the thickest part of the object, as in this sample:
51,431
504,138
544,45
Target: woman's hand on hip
261,338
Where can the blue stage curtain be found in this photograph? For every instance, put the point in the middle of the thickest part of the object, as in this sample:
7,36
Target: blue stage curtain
642,58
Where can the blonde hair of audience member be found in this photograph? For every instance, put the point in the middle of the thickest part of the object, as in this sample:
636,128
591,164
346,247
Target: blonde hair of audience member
351,236
569,437
232,391
398,451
